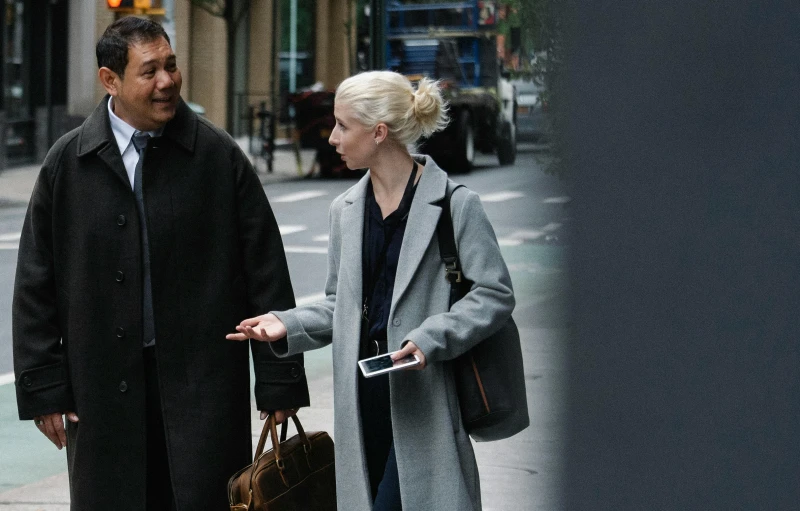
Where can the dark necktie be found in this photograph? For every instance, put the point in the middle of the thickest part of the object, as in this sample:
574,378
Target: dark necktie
148,325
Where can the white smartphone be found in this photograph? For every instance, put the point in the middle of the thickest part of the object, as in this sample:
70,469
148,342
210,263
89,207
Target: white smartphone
374,366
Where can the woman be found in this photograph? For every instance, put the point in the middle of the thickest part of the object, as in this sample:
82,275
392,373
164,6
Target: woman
400,443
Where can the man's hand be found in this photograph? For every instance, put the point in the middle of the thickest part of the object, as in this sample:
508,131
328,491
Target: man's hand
408,350
280,415
52,426
263,328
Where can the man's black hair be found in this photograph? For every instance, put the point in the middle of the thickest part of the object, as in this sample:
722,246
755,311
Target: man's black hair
112,48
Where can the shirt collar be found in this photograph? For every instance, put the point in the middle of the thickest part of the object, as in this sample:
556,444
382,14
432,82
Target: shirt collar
123,132
404,208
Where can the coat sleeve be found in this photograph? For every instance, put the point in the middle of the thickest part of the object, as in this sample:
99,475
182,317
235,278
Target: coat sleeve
280,383
489,301
311,326
42,376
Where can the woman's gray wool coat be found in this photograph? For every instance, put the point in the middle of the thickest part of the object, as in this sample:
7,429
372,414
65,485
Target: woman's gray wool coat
435,459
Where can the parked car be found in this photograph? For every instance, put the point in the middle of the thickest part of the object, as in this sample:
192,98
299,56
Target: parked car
531,112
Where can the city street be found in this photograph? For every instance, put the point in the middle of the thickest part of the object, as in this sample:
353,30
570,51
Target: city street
530,213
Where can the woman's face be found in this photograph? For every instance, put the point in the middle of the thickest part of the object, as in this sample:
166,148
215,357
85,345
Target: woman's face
352,140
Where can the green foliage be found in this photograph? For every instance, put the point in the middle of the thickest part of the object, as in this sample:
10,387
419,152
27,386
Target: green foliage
542,53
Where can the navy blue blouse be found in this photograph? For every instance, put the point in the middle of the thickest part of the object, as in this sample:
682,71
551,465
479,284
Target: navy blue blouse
376,230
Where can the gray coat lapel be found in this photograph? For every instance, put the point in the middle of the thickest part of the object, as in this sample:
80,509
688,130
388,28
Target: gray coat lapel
422,220
352,232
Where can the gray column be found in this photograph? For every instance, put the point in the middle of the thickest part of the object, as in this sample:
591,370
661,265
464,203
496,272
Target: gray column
82,66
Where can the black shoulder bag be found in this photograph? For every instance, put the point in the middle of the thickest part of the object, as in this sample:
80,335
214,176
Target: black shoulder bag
490,379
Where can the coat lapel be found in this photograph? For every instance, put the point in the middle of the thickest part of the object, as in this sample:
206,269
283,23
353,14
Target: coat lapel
96,135
422,221
352,237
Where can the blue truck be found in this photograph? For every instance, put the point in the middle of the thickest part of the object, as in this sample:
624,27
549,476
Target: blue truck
456,42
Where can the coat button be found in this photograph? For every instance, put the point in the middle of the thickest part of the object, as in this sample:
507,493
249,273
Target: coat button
295,372
396,321
121,220
123,387
120,276
120,332
27,381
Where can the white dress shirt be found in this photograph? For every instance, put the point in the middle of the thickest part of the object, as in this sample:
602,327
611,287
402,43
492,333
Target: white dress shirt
123,133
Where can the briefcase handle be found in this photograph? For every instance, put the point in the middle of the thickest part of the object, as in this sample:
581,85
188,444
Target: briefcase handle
271,426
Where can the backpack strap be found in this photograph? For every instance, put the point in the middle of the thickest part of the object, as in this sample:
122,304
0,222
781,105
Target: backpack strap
447,247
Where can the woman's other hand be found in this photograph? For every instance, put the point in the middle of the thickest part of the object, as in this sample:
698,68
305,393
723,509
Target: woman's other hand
410,349
263,328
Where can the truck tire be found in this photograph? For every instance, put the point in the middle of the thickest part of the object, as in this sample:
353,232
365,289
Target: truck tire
464,157
507,145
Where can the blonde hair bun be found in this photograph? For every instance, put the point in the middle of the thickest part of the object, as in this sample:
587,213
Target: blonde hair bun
387,97
429,107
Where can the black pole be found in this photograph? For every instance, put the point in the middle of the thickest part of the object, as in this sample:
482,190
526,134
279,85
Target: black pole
48,69
230,24
276,80
377,34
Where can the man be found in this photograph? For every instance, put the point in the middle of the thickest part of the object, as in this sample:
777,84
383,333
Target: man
147,238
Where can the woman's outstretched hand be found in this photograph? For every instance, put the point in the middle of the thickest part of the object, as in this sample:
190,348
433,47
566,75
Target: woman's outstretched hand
263,328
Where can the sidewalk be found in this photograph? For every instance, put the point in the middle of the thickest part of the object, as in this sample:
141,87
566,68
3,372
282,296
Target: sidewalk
16,183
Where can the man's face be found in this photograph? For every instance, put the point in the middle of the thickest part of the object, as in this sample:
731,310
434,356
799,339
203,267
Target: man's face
352,140
147,96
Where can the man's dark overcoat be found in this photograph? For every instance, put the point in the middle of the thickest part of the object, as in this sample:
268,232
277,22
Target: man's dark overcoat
216,258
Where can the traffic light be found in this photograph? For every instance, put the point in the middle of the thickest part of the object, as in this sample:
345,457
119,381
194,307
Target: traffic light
129,4
135,6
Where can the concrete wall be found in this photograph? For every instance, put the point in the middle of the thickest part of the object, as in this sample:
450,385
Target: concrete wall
81,67
331,49
182,43
103,19
207,72
87,21
261,73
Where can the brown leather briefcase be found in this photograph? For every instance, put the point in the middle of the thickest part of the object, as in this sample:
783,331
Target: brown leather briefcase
296,474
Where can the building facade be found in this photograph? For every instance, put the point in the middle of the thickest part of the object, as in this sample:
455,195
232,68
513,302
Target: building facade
49,71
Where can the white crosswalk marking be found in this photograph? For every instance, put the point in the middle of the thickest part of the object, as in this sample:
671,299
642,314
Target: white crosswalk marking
521,236
298,196
556,200
301,249
6,378
501,196
321,237
10,237
9,246
291,229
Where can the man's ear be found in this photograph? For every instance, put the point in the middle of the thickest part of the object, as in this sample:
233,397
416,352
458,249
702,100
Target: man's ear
109,80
